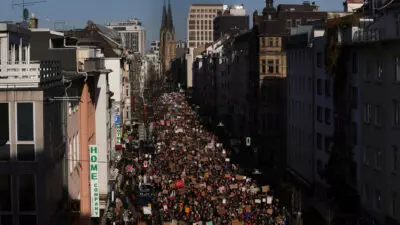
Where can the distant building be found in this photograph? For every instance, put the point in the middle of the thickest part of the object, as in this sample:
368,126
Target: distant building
155,47
200,24
133,34
181,44
231,20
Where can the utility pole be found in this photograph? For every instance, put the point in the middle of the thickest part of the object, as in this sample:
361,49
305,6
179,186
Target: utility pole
23,4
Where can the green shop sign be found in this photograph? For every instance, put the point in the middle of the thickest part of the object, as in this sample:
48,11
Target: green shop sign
94,181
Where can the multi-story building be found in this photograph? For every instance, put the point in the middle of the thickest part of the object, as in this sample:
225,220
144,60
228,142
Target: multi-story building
349,118
200,25
32,138
224,83
167,39
155,47
274,25
372,53
232,20
109,67
133,34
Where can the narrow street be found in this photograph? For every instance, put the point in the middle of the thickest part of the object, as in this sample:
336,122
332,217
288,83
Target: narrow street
187,178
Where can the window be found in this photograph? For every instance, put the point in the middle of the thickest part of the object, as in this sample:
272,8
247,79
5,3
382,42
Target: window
27,193
25,121
354,133
6,219
328,116
327,143
27,220
319,141
262,42
277,42
4,132
319,87
78,152
366,193
367,112
367,75
298,22
398,25
288,24
366,155
397,68
396,114
277,66
5,193
378,115
379,70
394,203
319,59
378,159
354,97
26,152
264,66
270,66
270,42
327,87
395,166
75,150
378,199
319,114
319,168
71,157
355,63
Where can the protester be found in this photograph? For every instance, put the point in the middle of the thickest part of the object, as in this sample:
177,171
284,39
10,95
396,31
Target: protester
192,178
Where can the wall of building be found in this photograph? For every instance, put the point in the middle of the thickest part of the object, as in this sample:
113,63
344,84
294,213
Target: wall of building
379,110
115,77
87,137
200,24
42,162
102,131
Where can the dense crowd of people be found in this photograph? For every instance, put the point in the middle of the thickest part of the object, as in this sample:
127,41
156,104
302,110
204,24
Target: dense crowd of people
188,178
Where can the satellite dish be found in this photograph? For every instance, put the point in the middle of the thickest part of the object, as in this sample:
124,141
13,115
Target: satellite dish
26,14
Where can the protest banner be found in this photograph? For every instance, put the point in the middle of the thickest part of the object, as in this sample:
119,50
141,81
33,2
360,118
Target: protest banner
265,188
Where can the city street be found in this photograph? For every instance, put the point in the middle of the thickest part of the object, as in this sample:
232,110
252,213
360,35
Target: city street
188,179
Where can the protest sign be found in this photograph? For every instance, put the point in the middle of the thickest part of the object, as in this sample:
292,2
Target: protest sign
147,210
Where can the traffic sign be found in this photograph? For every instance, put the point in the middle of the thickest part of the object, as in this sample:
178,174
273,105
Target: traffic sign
248,141
117,119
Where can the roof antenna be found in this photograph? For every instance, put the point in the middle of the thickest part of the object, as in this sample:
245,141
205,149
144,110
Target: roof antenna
23,4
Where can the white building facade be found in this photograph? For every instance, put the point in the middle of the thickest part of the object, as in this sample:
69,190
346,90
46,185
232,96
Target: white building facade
133,34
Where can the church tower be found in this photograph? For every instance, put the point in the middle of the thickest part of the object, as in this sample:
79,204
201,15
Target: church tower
167,38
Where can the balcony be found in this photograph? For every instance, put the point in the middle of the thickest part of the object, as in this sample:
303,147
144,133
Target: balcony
358,35
28,75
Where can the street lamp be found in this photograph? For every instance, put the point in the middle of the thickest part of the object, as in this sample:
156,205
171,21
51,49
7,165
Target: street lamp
220,124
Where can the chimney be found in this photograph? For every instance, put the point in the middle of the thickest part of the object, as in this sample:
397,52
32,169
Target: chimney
33,22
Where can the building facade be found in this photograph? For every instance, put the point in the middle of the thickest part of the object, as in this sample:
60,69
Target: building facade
231,21
133,34
32,148
200,25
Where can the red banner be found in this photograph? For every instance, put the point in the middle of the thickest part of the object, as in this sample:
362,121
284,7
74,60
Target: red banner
179,184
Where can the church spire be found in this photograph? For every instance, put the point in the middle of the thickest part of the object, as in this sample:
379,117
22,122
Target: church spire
164,17
170,23
270,4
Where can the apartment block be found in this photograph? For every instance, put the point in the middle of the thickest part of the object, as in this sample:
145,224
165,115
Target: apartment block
32,135
200,25
133,34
